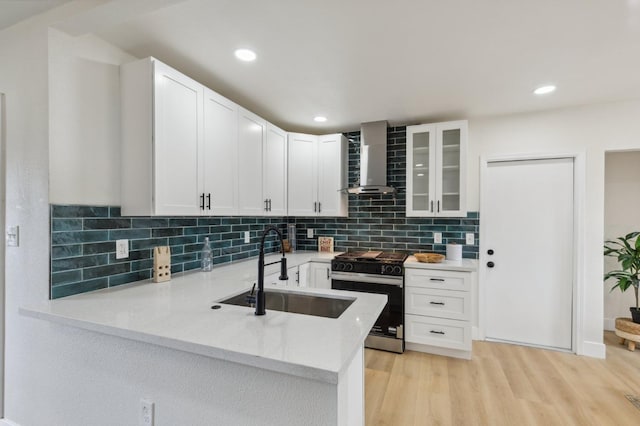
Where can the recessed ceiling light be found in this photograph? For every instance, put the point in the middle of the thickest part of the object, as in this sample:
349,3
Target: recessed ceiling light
245,55
320,119
543,90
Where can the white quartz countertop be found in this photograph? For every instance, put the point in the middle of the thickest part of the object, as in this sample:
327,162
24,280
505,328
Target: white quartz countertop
177,314
464,265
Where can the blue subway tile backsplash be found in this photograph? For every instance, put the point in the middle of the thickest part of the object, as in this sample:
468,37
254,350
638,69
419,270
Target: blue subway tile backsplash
83,237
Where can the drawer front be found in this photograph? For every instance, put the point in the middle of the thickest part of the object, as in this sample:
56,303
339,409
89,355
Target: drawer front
438,303
438,332
445,280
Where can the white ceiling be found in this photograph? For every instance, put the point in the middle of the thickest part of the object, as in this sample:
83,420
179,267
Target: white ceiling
406,61
14,11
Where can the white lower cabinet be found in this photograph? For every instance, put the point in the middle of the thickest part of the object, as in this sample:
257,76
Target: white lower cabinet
294,278
439,332
320,274
438,311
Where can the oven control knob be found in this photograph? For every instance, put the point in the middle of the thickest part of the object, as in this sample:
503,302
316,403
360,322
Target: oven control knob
334,265
397,270
348,267
340,266
387,269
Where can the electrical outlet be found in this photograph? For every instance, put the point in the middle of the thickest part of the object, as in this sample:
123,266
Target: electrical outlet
437,237
247,237
13,236
146,412
470,239
122,249
310,233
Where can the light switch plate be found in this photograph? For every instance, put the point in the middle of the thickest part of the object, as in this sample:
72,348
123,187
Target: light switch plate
13,236
247,237
122,249
310,233
437,237
470,239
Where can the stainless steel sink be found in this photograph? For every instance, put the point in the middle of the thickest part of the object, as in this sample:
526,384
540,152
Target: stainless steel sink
297,303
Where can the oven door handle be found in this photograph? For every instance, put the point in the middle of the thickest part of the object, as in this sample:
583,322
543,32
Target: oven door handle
366,278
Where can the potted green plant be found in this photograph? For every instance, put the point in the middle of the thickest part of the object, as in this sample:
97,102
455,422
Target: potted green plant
627,251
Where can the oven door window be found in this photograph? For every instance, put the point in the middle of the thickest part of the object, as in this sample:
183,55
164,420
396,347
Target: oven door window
393,313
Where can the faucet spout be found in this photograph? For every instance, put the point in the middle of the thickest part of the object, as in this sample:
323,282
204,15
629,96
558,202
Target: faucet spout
260,296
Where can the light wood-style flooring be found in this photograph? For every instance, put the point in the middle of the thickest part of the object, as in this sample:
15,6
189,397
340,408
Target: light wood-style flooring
503,385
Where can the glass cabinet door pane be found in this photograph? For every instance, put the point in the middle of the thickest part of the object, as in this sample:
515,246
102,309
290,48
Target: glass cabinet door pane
420,170
450,170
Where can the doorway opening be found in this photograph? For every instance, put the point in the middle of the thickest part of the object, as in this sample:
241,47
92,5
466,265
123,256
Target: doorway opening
621,207
3,197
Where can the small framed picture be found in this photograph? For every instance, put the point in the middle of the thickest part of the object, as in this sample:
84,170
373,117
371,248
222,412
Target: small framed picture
325,244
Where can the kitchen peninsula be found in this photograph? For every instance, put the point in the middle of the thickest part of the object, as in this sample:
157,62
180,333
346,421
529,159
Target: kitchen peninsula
235,367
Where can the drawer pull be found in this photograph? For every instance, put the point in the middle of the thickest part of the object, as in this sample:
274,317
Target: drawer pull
436,279
437,332
437,303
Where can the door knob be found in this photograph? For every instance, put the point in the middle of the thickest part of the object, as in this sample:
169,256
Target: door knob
490,252
491,264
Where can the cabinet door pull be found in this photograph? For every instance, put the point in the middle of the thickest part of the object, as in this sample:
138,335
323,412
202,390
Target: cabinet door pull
431,206
315,207
266,204
298,277
438,206
319,207
209,201
437,332
202,201
269,204
328,277
437,303
436,279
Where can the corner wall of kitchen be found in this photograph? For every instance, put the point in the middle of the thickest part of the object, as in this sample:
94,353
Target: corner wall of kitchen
83,237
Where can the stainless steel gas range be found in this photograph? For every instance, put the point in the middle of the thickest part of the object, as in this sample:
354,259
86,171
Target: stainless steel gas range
376,272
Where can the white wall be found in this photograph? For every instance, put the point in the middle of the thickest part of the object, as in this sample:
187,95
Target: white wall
590,130
622,215
84,126
23,79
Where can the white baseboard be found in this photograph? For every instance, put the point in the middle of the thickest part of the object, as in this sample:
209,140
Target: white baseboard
7,422
593,349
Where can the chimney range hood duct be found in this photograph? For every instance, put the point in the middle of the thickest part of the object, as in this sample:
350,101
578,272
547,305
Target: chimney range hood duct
373,160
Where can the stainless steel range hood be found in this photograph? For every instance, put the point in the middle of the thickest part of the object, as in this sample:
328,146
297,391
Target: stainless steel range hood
373,160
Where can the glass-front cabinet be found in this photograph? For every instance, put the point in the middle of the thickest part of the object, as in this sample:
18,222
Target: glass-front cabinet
436,169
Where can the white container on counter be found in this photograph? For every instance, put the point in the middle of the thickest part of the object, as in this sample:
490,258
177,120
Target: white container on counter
454,252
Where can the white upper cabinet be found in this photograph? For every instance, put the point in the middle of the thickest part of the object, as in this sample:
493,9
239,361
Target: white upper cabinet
275,172
332,175
162,137
220,155
436,169
262,166
317,173
252,132
303,188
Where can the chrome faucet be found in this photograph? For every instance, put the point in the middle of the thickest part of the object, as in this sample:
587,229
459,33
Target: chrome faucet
260,299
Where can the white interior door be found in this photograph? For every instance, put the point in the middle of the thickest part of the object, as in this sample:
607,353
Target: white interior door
528,210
